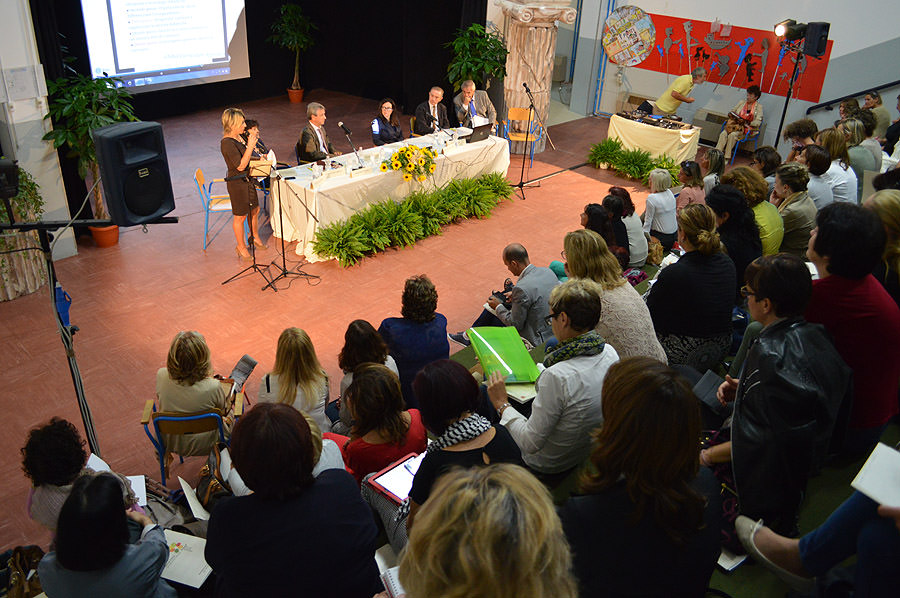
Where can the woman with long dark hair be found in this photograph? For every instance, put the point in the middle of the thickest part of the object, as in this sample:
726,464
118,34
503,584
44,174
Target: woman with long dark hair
647,505
386,126
637,241
597,218
737,229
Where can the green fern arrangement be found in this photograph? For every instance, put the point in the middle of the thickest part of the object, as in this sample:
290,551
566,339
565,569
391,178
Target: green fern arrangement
475,199
429,208
371,226
342,241
607,151
634,163
497,184
666,163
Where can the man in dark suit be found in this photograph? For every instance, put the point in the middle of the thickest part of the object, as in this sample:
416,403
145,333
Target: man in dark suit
529,300
314,144
431,115
470,102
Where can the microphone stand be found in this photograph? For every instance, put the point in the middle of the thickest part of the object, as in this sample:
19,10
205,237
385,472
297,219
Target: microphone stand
250,244
353,147
284,272
521,184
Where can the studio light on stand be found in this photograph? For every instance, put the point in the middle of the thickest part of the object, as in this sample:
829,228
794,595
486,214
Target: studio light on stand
803,39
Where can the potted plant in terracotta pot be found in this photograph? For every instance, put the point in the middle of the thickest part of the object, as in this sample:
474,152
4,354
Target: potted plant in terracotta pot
293,31
78,105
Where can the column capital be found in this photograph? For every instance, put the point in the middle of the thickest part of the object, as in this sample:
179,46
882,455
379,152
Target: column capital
538,13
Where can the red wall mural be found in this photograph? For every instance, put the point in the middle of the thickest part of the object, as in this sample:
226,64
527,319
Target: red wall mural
734,56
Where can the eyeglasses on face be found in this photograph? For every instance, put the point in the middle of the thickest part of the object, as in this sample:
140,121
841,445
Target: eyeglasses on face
746,291
549,319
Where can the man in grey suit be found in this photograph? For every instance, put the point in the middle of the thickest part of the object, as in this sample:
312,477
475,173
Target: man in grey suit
470,102
529,300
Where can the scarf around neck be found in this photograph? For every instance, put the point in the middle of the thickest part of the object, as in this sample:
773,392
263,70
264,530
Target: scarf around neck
589,343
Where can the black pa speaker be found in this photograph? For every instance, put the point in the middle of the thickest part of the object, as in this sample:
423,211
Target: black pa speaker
816,40
134,171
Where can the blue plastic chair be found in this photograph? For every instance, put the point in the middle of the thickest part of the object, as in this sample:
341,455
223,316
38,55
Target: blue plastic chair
532,136
219,204
751,135
169,423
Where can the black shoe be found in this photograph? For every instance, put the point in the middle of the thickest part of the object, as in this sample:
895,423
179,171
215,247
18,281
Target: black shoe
459,337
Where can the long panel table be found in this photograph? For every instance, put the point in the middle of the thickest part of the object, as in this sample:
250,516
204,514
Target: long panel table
679,144
338,196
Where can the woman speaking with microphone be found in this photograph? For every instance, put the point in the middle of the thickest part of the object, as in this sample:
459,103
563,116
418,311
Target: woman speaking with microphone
242,191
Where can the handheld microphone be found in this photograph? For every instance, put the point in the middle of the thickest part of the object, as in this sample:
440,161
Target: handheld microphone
344,127
525,85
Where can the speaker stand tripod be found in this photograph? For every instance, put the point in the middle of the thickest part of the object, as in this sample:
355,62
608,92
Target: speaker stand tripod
254,267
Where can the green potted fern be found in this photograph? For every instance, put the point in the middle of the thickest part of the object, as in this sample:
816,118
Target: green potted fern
293,31
78,105
605,153
477,54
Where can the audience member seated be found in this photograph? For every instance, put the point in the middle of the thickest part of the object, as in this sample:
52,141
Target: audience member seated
528,300
314,144
870,143
600,220
615,208
858,527
800,133
556,438
624,318
751,111
419,336
714,164
840,175
488,531
798,212
737,229
817,161
848,108
692,190
297,378
886,205
186,385
659,215
860,315
431,115
646,505
382,430
53,458
891,135
889,179
692,299
92,555
751,183
882,116
386,126
786,401
765,160
294,531
449,398
861,159
637,240
362,344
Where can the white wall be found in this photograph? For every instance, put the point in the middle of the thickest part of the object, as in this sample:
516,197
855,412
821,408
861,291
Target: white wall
860,43
21,121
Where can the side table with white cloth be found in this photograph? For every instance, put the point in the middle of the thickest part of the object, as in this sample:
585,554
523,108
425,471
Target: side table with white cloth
335,194
678,144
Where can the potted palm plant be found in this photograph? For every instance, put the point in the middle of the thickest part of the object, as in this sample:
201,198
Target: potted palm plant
293,31
78,105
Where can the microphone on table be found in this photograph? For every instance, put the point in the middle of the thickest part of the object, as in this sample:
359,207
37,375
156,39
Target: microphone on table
344,127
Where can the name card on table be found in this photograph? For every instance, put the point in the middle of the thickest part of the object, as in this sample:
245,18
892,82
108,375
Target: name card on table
360,172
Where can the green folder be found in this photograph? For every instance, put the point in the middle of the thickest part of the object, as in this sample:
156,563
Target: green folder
499,349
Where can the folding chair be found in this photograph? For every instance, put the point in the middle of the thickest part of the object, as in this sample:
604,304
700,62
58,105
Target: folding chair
535,134
211,203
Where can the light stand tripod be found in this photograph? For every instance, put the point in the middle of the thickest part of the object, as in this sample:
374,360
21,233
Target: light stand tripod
798,49
66,332
250,240
284,272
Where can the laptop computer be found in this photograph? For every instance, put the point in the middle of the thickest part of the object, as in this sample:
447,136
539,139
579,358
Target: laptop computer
479,133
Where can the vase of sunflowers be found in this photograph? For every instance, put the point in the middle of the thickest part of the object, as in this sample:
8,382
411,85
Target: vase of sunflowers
412,162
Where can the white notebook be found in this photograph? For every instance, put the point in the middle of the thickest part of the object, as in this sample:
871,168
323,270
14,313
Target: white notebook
879,478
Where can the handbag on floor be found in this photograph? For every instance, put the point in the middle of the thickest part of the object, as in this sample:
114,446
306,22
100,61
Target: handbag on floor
22,567
212,486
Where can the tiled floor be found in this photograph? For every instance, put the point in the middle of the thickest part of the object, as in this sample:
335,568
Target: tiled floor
131,299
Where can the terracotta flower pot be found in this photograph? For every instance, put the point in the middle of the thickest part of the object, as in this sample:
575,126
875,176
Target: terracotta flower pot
105,236
295,95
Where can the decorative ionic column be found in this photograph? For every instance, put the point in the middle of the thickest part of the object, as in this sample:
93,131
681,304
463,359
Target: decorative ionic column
531,40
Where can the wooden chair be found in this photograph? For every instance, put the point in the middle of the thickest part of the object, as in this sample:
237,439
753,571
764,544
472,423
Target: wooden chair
532,136
211,204
164,423
412,127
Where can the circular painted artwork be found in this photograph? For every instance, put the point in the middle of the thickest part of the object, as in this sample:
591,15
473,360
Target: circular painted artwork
628,36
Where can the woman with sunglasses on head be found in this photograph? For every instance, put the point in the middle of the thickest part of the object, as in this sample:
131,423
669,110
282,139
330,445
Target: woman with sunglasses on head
692,190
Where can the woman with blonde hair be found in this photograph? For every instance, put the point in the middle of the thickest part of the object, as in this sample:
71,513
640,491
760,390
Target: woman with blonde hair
624,319
297,378
488,532
659,215
646,503
841,177
186,385
861,159
242,191
691,301
886,204
714,164
751,183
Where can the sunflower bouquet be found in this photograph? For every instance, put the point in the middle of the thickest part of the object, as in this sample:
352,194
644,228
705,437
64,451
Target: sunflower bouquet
412,162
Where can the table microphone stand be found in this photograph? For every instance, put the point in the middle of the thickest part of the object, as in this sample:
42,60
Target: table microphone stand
347,134
250,240
284,272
